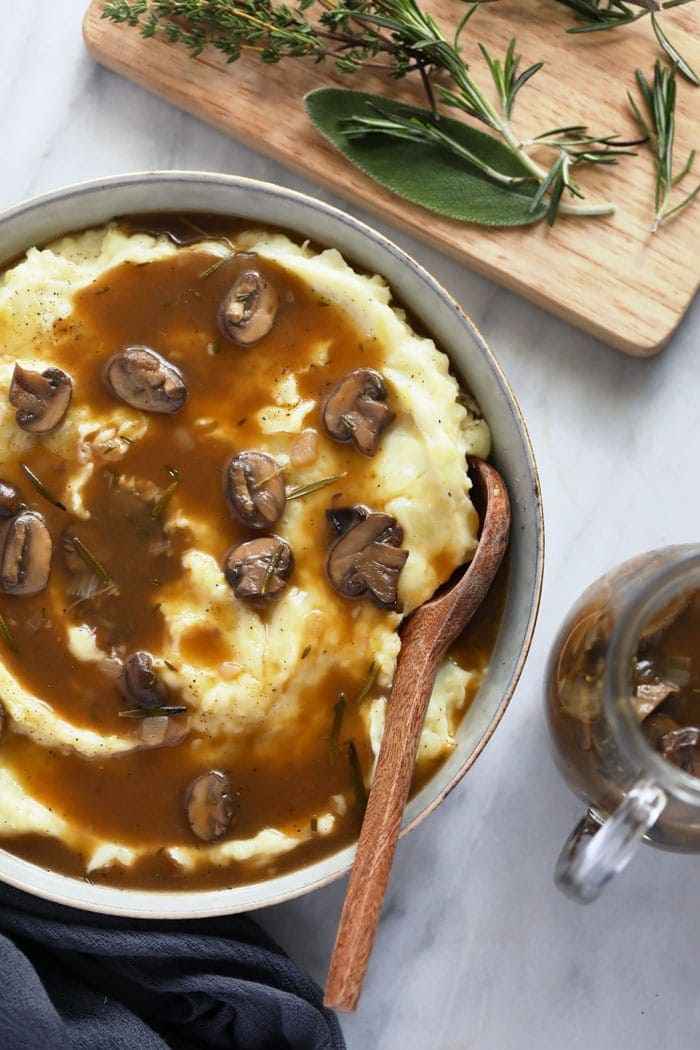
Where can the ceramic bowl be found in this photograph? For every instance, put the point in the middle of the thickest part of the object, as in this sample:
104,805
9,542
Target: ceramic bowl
45,218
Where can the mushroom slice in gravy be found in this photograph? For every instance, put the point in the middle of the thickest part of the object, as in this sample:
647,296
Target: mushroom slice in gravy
366,559
258,570
41,398
248,311
356,410
145,380
209,806
26,555
140,684
255,489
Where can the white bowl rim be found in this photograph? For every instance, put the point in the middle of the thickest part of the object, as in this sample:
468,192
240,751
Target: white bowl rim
147,904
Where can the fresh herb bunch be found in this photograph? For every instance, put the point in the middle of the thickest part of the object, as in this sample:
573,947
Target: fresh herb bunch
399,37
572,145
598,15
658,124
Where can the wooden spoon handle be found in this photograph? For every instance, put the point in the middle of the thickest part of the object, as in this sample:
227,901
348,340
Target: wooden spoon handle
380,831
428,634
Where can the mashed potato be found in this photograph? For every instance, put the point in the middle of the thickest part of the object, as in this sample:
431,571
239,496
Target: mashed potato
257,691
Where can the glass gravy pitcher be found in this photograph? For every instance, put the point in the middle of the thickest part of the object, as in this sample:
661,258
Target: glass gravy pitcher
621,703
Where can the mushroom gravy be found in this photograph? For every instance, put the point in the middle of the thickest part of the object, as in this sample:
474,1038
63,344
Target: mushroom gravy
165,724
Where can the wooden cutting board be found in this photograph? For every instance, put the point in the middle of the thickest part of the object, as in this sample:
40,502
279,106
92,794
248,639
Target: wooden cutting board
610,276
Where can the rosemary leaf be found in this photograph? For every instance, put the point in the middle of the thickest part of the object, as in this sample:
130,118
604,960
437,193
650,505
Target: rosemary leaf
41,488
672,52
271,567
214,267
6,635
153,712
314,486
167,495
368,683
92,562
358,782
338,712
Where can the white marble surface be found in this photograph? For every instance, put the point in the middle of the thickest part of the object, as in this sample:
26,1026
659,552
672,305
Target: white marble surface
476,948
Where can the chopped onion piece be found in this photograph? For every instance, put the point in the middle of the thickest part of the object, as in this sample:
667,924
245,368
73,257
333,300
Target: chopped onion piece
154,730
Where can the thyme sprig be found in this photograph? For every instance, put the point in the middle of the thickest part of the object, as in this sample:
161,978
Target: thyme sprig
658,124
399,37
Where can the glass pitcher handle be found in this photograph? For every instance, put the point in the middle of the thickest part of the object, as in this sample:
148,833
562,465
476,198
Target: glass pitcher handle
595,850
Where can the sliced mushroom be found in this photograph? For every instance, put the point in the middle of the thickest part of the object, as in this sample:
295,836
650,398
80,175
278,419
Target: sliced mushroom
366,559
26,556
209,806
258,570
10,500
41,398
682,747
651,695
248,311
140,684
255,489
356,410
145,380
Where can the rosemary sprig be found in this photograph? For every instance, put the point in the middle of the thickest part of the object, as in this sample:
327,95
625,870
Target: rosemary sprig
673,53
41,488
314,486
599,15
658,124
400,37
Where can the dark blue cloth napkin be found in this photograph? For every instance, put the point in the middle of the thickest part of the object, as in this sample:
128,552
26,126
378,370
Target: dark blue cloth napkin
73,981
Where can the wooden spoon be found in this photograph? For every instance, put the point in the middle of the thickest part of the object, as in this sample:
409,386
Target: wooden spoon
426,637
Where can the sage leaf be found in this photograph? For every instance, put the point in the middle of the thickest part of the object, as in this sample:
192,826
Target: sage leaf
425,173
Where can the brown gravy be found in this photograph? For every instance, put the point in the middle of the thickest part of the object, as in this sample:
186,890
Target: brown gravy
136,798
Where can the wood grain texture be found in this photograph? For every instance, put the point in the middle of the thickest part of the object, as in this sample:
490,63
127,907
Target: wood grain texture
425,639
609,276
